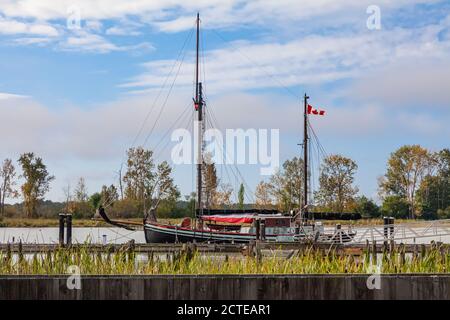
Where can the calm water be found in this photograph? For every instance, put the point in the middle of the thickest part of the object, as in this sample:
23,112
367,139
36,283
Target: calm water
80,235
118,235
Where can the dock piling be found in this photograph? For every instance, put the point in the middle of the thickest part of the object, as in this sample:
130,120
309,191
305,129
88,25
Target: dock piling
62,218
69,229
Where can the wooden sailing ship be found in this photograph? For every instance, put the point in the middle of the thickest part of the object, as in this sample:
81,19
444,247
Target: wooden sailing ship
235,226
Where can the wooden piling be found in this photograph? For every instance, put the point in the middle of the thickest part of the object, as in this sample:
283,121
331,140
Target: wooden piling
69,229
62,218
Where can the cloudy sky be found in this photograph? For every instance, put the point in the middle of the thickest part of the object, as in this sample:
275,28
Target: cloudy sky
80,80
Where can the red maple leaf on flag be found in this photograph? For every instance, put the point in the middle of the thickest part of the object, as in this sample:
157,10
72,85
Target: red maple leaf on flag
312,110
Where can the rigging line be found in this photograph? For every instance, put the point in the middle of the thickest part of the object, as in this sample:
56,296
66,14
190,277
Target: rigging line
246,186
311,170
166,99
281,84
223,165
180,116
322,149
182,50
168,141
186,41
202,54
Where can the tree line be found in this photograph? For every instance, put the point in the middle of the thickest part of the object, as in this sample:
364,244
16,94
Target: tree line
416,184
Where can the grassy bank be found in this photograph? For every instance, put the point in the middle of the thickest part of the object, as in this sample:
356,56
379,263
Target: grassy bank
310,261
42,223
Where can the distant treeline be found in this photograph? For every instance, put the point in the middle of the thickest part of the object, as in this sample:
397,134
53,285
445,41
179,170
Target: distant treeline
120,209
416,184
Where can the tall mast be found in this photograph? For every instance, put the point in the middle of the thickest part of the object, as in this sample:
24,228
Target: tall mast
199,107
196,61
305,159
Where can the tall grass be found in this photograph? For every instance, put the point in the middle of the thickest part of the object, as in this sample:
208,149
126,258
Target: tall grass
309,261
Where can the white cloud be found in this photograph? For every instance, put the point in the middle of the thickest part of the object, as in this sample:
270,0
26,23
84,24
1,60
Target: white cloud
11,96
77,142
311,60
122,31
176,15
89,42
12,27
411,83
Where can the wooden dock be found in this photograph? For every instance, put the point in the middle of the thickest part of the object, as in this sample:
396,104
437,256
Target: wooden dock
208,248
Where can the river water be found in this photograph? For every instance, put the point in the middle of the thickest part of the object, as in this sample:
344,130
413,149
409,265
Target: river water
117,235
79,235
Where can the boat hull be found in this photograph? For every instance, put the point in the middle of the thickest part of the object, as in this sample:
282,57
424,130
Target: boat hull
161,233
158,233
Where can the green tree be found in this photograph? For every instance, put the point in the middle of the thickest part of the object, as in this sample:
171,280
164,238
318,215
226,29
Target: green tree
95,200
433,195
241,196
366,207
406,169
37,182
336,191
286,185
395,206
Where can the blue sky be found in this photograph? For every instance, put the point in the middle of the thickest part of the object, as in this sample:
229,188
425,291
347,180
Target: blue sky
78,96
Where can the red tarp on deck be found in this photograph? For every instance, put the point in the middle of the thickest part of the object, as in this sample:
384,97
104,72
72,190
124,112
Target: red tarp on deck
230,218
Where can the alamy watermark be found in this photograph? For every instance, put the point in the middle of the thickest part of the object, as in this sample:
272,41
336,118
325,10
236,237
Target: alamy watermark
237,146
74,280
374,20
73,21
373,282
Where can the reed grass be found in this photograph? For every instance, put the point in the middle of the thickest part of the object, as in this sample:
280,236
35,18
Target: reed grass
309,261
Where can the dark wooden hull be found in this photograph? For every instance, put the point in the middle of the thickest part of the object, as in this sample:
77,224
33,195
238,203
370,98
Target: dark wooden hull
159,233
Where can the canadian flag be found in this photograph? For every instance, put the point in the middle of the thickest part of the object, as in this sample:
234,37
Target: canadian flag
311,110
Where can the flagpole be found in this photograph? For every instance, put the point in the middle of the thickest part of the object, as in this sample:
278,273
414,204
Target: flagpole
305,160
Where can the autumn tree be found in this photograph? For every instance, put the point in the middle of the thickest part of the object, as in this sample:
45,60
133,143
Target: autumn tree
148,183
37,182
263,197
210,182
109,195
81,193
286,185
7,181
241,194
222,197
139,174
70,206
162,188
406,168
336,190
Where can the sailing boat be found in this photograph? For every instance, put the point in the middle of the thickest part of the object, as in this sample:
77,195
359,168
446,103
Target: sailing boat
236,226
